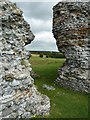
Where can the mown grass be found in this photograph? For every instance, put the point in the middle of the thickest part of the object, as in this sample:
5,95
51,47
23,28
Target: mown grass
64,103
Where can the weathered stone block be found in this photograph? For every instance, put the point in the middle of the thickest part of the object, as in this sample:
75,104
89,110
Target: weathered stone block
71,31
16,84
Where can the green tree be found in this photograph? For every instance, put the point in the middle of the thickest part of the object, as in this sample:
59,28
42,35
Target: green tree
41,55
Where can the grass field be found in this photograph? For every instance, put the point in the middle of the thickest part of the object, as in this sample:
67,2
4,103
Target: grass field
64,103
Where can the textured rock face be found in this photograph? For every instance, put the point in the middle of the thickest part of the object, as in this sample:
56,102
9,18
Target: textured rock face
19,97
71,31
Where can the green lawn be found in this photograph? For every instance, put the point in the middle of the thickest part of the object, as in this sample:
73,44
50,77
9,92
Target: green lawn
64,103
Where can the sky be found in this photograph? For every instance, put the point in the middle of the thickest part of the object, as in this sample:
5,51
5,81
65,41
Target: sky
39,16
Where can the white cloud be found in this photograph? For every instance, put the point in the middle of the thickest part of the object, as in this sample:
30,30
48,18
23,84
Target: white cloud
39,0
39,16
37,10
45,36
43,41
38,25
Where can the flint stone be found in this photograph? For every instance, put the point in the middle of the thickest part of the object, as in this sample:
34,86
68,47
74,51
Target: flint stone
18,94
15,83
71,31
48,87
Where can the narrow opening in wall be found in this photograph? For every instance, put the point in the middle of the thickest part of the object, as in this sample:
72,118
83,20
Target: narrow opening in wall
45,57
45,61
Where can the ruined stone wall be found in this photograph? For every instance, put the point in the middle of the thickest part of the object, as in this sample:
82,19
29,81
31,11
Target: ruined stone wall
19,97
71,31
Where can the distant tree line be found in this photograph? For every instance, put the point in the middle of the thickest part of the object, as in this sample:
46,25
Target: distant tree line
55,55
48,54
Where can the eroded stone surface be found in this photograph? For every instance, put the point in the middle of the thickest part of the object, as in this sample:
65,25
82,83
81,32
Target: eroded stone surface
71,31
18,95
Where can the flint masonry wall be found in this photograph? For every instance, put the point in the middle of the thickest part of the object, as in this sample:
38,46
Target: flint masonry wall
71,31
19,97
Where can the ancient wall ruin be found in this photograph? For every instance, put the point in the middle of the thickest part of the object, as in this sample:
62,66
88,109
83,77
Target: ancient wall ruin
19,97
71,31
